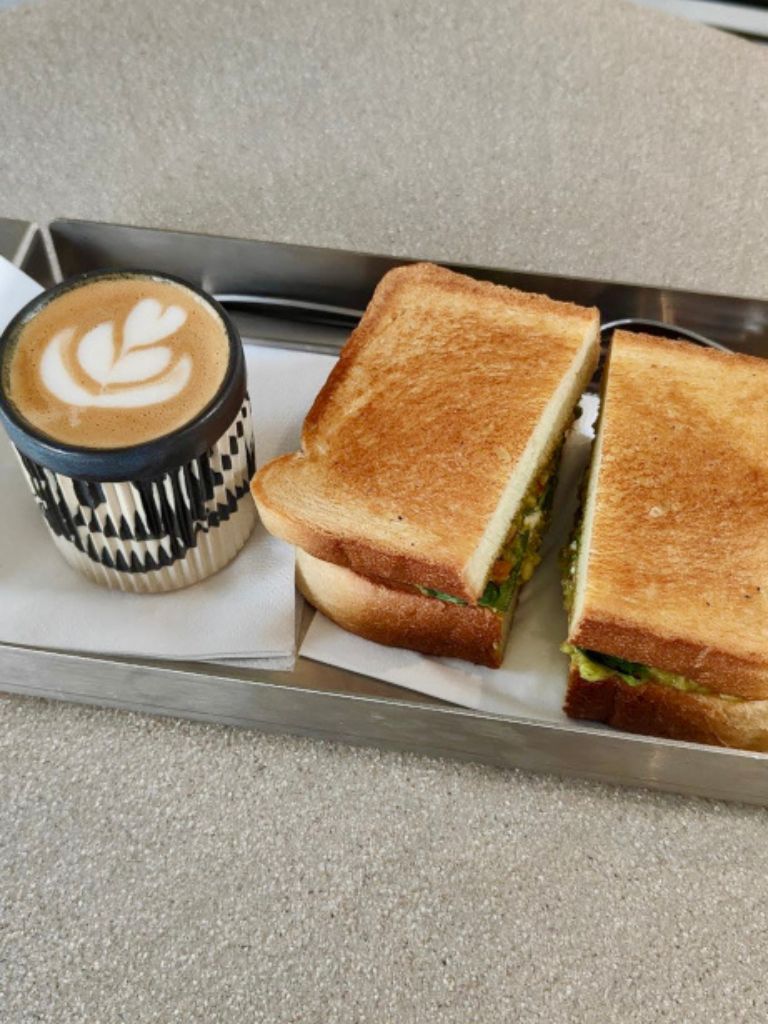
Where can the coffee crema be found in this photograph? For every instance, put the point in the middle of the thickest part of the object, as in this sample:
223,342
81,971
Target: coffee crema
117,361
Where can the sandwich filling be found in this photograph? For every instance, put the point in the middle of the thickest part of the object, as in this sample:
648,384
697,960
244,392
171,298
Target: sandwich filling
593,666
519,555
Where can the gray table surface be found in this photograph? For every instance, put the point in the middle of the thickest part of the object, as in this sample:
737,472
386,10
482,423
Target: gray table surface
156,871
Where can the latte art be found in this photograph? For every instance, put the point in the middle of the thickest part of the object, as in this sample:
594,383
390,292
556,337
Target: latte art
129,374
118,361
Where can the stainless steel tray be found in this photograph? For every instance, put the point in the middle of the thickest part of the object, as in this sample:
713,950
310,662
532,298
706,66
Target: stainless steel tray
309,298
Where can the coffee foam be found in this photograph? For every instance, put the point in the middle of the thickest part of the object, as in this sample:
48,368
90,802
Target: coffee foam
117,361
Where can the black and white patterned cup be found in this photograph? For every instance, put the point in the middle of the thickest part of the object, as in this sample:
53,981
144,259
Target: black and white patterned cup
154,516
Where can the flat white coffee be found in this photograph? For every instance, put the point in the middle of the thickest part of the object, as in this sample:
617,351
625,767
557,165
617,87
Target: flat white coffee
118,361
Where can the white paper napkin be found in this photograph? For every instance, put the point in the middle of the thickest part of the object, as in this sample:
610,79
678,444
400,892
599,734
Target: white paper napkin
531,682
16,290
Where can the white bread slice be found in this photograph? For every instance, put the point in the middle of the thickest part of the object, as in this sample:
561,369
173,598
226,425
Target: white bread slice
402,618
656,710
673,562
445,402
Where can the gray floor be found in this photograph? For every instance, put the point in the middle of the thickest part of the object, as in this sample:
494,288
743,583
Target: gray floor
152,871
204,874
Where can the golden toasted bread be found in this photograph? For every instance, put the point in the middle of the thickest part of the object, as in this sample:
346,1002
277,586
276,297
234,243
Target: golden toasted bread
447,398
657,710
402,618
673,565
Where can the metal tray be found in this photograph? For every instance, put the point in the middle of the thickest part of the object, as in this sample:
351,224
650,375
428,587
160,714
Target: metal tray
309,298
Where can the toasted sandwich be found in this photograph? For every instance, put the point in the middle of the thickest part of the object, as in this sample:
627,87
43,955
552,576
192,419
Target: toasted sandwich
667,578
428,460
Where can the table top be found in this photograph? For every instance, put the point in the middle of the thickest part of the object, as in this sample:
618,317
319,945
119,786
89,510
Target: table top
153,870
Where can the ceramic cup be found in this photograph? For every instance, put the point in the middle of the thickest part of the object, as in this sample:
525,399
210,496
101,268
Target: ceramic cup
151,516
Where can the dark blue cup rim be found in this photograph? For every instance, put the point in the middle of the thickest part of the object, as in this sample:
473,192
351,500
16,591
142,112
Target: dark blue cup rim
143,461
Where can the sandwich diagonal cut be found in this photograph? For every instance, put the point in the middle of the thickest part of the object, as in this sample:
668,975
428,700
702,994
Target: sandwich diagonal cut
668,578
435,430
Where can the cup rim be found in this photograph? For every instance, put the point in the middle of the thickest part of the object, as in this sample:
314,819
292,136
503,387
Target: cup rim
147,459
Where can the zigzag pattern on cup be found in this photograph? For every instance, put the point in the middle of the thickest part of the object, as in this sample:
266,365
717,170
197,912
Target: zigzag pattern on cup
145,526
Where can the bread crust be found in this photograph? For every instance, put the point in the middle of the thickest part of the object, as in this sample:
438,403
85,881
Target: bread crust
401,618
409,445
677,571
355,553
656,710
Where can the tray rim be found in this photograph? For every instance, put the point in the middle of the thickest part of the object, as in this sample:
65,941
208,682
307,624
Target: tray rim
55,225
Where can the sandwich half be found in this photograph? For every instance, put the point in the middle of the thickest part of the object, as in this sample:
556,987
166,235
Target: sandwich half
428,460
667,575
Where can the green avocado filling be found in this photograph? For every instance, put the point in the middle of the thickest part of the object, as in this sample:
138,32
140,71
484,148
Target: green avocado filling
448,598
594,666
519,555
569,555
